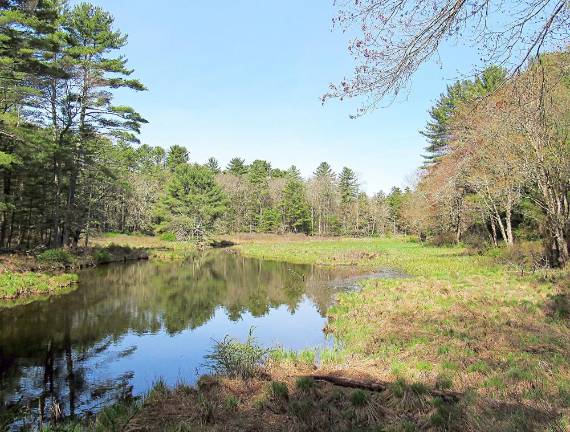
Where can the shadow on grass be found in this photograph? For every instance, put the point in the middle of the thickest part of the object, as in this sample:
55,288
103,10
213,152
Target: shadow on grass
333,402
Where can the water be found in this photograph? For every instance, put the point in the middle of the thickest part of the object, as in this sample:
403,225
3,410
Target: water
128,325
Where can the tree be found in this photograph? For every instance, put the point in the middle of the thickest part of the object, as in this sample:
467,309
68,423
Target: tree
177,155
294,206
438,129
348,192
193,202
397,36
322,195
236,166
213,165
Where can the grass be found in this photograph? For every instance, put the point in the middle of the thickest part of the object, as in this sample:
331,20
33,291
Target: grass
16,287
458,322
25,278
163,247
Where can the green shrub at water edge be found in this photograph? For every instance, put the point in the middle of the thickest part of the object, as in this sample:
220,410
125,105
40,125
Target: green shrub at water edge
102,257
56,256
236,359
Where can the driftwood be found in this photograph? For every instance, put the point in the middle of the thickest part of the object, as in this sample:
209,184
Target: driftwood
376,386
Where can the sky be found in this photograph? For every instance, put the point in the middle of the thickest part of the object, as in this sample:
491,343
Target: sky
244,78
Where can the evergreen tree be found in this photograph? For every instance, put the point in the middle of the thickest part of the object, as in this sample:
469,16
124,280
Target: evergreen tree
437,130
294,206
294,173
193,202
348,186
324,170
213,165
236,166
177,155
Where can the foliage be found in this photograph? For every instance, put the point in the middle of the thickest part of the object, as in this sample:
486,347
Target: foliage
102,257
168,236
232,358
193,202
55,256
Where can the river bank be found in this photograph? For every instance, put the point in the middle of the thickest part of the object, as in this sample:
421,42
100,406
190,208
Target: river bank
465,342
27,277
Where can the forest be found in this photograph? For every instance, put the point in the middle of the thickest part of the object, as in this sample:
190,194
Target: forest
496,168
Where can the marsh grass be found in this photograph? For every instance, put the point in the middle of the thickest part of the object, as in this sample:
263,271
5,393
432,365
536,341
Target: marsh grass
459,321
158,248
14,286
234,359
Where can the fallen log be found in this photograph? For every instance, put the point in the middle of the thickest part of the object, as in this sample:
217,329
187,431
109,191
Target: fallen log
376,386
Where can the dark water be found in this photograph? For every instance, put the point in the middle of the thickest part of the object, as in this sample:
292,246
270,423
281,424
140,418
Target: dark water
127,325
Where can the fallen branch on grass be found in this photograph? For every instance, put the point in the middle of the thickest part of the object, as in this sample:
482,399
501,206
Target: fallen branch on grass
377,386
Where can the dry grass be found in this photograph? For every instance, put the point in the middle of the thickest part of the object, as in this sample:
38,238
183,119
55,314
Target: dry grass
294,403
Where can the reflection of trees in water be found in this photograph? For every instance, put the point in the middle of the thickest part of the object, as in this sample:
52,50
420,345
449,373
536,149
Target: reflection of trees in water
50,351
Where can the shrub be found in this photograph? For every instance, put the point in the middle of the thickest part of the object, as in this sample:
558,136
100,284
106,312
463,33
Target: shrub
102,257
235,359
443,239
55,256
168,236
525,256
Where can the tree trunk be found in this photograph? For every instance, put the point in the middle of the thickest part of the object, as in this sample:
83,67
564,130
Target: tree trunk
508,220
7,193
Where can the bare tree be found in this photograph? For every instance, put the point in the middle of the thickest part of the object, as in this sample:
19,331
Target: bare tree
395,37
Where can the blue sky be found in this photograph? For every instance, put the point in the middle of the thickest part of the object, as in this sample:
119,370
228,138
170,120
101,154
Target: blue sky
243,78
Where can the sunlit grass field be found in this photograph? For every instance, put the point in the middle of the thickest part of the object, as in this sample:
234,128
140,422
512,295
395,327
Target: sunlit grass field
459,321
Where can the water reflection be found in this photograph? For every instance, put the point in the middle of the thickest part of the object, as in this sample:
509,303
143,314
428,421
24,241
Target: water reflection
127,325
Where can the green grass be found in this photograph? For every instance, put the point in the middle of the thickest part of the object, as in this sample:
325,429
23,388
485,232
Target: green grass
458,321
16,286
161,248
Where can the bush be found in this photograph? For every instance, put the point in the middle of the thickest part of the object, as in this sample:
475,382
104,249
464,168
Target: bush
168,236
102,257
525,256
235,359
442,239
56,256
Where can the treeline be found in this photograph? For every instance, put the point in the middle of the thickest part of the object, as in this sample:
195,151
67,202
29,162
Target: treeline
498,162
163,192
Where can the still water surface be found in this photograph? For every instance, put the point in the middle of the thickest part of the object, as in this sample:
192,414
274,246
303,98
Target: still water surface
127,325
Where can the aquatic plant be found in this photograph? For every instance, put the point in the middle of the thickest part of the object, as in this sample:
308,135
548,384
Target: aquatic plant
236,359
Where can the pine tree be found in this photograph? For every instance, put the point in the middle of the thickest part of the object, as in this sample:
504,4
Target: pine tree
236,166
213,165
437,130
177,155
324,170
294,206
348,186
193,202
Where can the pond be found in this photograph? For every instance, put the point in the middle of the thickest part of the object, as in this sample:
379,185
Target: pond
128,325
